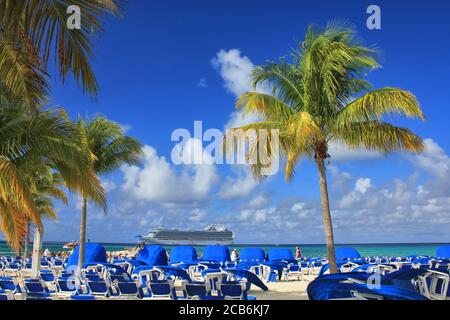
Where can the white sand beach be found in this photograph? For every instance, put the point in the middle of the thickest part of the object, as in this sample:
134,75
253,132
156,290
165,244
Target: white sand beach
284,290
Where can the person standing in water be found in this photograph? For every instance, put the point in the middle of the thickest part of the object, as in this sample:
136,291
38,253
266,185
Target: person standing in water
298,253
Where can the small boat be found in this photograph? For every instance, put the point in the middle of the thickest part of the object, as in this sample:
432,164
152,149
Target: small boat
70,245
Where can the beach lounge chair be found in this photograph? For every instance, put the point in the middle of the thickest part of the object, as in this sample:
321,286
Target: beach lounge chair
11,288
4,296
195,290
233,290
353,286
315,267
434,285
292,270
145,276
91,275
36,289
128,290
12,269
161,289
211,278
68,286
256,270
101,289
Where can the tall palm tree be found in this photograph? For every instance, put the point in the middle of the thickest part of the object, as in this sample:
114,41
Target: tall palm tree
29,142
46,185
321,97
110,148
33,32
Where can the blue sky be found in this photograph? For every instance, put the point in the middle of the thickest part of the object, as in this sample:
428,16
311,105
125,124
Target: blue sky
166,64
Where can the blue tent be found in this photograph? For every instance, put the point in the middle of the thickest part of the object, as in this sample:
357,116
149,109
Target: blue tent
93,253
186,254
278,254
153,256
346,254
443,252
216,253
252,254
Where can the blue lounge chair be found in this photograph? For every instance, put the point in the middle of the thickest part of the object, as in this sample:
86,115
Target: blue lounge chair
292,270
434,285
99,288
353,286
68,286
128,290
10,287
161,289
233,290
36,290
195,290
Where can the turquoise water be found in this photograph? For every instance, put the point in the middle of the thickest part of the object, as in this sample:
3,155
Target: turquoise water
308,250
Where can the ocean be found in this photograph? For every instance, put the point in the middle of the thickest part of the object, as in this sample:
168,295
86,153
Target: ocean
308,250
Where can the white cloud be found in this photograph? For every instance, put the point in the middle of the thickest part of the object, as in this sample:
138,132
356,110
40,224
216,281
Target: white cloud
298,207
362,185
258,202
241,185
198,215
158,181
108,184
434,160
235,70
341,153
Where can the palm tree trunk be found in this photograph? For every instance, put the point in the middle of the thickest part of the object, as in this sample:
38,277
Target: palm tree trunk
82,236
36,259
327,222
27,241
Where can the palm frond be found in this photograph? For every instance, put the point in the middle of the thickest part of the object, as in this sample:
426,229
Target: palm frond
381,103
378,136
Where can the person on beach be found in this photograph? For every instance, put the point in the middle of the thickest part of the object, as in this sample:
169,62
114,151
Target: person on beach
46,253
234,255
298,253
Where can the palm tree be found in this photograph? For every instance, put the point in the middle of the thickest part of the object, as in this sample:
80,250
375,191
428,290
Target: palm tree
46,185
110,148
29,143
321,97
32,32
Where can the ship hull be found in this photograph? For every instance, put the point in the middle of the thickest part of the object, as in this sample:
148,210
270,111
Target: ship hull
186,242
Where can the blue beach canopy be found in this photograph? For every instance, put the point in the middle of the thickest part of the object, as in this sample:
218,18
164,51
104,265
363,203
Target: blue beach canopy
279,254
216,253
153,256
252,254
347,253
186,254
443,252
336,286
94,253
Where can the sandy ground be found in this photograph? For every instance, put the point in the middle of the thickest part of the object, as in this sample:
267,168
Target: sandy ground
284,290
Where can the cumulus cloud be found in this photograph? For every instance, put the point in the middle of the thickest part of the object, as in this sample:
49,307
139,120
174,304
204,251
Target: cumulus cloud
362,185
235,70
341,153
434,160
239,185
159,181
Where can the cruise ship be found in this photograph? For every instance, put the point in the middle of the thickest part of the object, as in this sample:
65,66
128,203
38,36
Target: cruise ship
208,236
